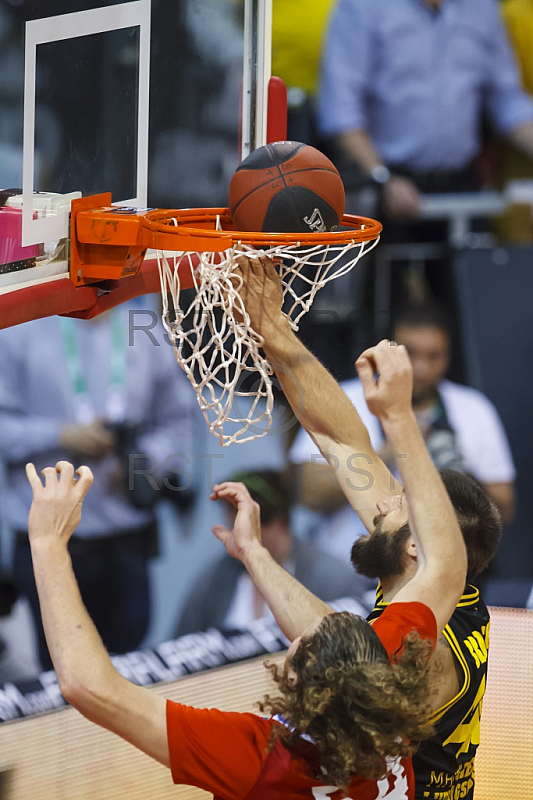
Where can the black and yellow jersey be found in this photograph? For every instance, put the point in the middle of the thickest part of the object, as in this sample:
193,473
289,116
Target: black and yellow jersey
444,764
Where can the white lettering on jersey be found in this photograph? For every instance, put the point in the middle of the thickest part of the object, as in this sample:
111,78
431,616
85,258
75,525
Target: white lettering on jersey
394,785
324,791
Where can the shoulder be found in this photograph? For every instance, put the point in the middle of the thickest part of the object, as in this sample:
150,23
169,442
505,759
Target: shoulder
451,391
202,719
510,7
480,431
220,751
481,21
465,399
399,620
516,10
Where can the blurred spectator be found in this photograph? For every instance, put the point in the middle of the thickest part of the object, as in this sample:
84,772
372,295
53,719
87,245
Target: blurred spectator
297,35
226,596
510,593
111,395
404,87
461,427
518,17
18,647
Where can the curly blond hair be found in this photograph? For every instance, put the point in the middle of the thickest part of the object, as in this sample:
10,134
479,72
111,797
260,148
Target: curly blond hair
356,707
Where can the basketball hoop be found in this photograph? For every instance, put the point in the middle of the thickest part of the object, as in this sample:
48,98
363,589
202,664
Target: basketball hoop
215,343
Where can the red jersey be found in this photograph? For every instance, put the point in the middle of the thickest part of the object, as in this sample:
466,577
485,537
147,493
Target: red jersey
226,752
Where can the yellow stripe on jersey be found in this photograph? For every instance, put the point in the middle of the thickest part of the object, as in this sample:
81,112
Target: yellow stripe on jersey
456,649
467,733
469,599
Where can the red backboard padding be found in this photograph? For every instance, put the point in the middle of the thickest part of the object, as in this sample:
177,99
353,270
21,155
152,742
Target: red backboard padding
63,297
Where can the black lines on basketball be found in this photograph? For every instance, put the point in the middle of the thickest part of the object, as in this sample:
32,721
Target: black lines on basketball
286,187
271,155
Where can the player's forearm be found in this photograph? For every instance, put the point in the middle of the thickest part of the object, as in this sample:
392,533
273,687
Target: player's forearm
294,607
357,146
317,400
522,137
332,421
80,660
432,518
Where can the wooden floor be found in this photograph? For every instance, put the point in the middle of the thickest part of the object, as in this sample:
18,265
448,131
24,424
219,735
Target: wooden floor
61,756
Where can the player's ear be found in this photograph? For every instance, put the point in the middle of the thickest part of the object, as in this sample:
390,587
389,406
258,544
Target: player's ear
411,549
292,677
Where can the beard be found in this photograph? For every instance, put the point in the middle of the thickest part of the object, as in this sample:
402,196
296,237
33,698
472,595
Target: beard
380,555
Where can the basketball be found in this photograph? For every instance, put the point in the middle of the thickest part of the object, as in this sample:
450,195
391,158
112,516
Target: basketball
286,187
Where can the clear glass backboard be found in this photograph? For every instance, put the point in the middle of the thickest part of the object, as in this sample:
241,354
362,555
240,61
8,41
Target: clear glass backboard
140,98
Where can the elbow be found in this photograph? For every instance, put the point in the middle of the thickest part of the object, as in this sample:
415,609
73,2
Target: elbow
72,690
75,691
86,697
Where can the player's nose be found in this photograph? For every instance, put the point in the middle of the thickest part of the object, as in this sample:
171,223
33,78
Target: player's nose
389,504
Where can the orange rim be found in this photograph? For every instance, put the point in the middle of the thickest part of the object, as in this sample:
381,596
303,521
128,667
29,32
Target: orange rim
184,228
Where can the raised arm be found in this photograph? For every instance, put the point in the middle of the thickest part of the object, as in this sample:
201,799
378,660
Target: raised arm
294,607
315,397
440,548
86,676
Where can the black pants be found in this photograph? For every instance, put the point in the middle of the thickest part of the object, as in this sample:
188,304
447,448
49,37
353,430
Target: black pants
112,573
438,272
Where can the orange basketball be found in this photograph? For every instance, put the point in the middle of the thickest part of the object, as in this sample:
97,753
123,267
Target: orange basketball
286,187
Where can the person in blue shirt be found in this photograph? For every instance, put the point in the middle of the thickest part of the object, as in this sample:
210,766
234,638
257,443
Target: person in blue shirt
110,393
403,89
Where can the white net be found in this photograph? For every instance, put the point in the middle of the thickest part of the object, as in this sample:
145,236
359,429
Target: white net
214,342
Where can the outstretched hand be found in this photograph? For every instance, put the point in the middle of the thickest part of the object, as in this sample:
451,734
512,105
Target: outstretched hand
55,512
246,531
261,292
390,395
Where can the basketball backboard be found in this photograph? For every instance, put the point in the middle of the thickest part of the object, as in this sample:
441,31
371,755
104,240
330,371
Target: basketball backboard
139,98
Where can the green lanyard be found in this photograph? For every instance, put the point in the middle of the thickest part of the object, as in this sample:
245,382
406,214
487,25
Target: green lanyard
115,395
